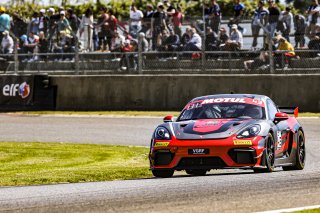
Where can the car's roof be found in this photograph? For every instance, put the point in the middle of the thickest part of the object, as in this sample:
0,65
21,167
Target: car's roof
254,96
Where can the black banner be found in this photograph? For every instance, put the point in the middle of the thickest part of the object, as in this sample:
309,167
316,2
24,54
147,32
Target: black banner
16,91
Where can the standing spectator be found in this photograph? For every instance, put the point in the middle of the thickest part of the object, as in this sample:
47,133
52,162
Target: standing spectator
300,30
238,10
158,24
135,20
313,13
314,44
111,27
215,16
126,60
7,43
86,31
146,21
195,41
260,16
4,21
143,41
274,14
34,24
286,17
236,40
171,10
42,45
18,25
102,29
52,27
73,21
177,19
43,21
63,23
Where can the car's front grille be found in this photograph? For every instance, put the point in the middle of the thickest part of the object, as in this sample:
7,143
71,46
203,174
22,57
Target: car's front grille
163,158
201,162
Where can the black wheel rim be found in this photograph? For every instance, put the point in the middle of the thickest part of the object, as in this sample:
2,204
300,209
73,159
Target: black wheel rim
270,152
301,149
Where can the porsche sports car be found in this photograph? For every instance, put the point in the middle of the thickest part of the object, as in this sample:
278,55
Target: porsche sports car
244,131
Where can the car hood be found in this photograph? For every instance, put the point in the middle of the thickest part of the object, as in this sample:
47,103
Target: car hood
208,128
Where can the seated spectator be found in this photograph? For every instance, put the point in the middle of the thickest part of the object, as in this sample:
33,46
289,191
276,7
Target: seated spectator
314,44
211,40
64,44
117,42
282,58
185,38
7,45
259,63
171,42
43,45
29,45
126,60
195,41
236,40
223,38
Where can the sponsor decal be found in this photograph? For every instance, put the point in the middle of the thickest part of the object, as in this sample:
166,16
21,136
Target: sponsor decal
242,142
223,100
161,144
13,90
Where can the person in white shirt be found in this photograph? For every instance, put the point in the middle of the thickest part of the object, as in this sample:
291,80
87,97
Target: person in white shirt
286,18
117,42
7,43
135,20
195,41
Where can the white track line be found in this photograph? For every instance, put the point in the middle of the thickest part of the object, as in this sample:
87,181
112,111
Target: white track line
292,209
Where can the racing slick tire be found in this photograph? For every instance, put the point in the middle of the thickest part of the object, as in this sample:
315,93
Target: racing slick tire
300,154
196,172
163,173
269,155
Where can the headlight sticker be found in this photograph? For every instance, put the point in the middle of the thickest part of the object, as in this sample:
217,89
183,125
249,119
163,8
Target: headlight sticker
242,142
161,144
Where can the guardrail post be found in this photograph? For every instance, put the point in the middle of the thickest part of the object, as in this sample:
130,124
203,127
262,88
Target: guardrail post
140,54
76,60
16,58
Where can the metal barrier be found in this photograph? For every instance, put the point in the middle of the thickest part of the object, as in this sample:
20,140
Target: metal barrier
226,62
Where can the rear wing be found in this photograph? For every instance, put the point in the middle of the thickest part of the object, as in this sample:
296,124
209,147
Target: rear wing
290,110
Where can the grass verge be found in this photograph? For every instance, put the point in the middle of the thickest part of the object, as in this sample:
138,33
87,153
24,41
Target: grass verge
49,163
128,113
309,211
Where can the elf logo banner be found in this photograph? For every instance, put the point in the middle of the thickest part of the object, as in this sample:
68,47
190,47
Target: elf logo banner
13,90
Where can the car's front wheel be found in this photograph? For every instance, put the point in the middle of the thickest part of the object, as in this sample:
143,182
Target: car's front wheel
163,173
269,155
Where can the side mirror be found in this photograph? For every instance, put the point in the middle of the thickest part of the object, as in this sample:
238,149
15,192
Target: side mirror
168,118
281,116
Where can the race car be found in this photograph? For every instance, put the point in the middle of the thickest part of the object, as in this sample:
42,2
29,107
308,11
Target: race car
244,131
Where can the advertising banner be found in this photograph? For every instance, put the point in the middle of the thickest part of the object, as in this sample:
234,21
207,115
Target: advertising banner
16,91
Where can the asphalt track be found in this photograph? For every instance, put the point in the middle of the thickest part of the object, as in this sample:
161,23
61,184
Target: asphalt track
219,191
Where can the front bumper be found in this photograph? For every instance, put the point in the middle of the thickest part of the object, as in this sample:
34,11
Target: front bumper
222,153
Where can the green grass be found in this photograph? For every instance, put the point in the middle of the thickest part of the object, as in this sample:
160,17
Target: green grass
128,113
48,163
309,211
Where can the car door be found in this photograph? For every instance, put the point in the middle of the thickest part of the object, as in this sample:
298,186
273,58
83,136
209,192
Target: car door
281,129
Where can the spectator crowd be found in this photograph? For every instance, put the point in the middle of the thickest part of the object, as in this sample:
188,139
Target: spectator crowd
157,28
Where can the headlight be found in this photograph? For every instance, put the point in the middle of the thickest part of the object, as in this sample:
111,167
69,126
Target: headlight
249,132
162,133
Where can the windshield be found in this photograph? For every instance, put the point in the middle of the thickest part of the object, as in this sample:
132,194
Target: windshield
194,111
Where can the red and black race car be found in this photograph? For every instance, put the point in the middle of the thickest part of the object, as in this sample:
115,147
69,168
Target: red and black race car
228,131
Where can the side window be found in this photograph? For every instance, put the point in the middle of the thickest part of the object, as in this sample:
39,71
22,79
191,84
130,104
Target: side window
272,109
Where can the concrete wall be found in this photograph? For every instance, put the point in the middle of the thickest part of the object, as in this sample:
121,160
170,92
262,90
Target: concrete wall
172,92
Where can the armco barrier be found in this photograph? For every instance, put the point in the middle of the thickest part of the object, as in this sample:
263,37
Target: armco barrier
171,92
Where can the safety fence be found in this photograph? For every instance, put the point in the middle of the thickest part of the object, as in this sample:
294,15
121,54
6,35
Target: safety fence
226,62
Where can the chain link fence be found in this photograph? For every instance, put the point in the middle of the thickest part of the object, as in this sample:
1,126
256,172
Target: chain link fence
247,60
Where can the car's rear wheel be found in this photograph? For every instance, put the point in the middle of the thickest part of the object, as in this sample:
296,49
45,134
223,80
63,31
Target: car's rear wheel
163,173
300,154
269,155
196,172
